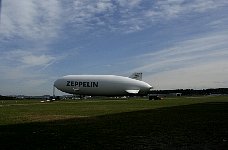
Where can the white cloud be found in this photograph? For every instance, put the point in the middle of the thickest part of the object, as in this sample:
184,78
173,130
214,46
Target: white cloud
26,59
26,30
196,63
104,5
130,15
169,9
29,29
30,19
159,11
23,71
83,14
207,47
44,19
37,60
200,76
129,3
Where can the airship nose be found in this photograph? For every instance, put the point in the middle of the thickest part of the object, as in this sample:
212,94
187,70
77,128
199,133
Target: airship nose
56,83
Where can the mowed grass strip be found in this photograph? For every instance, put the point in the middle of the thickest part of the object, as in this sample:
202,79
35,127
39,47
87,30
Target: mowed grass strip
182,123
20,111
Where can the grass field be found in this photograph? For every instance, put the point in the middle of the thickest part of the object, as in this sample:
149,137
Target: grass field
172,123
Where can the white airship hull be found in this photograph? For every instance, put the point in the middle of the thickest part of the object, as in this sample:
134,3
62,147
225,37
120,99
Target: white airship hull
101,85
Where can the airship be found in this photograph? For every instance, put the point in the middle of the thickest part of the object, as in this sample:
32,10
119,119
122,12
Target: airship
103,85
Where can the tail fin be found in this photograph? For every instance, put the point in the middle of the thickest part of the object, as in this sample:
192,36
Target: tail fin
136,75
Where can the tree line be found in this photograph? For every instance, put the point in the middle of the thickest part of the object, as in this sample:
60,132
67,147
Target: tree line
189,92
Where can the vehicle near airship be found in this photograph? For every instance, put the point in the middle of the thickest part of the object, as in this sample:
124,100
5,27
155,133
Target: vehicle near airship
103,85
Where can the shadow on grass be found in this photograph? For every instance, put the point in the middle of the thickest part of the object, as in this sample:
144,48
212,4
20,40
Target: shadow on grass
198,126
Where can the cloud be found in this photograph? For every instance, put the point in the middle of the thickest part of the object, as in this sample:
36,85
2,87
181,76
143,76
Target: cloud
209,46
33,32
27,30
45,19
27,58
129,3
23,71
33,60
87,15
200,61
30,19
164,10
200,76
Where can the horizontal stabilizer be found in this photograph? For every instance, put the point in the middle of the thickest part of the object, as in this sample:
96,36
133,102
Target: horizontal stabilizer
132,91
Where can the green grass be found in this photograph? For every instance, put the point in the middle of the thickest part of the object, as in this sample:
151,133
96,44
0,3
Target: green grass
173,123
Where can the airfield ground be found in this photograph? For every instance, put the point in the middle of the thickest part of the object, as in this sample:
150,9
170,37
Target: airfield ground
172,123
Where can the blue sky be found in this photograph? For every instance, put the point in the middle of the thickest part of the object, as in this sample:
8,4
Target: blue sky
175,43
